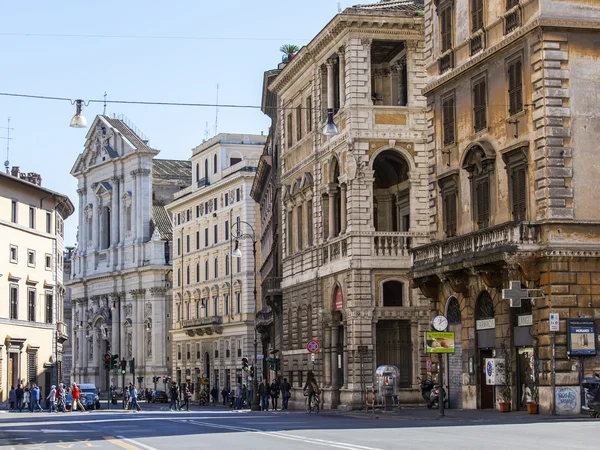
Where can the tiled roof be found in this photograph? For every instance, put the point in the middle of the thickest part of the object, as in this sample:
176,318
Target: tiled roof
393,5
171,168
131,136
162,222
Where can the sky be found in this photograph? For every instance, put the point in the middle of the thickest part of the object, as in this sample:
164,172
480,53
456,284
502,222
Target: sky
80,50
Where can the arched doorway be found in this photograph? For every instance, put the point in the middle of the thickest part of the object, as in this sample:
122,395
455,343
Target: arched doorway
391,192
454,367
485,324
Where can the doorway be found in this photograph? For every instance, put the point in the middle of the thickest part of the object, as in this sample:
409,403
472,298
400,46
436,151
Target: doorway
486,391
394,348
525,376
13,368
454,369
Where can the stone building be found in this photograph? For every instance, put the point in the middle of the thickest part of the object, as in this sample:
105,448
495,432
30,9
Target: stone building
513,127
354,203
213,301
121,270
266,191
31,281
66,355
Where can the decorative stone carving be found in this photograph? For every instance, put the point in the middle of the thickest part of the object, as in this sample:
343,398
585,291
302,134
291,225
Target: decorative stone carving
528,269
128,309
148,309
429,286
129,346
459,282
491,276
149,344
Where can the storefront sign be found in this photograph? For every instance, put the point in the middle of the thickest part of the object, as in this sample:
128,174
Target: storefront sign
524,321
439,342
485,324
582,337
204,381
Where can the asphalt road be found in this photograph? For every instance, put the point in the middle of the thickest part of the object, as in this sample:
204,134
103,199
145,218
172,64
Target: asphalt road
222,429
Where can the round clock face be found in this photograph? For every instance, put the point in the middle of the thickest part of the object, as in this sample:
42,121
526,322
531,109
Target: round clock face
440,323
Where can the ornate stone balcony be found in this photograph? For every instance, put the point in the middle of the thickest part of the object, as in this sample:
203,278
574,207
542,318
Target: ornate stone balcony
203,325
394,243
62,332
271,286
476,246
335,249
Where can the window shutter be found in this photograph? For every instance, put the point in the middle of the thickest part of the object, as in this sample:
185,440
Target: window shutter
519,193
474,15
448,118
453,214
518,86
479,13
485,190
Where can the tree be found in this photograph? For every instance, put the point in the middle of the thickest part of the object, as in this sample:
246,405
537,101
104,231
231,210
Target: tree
289,51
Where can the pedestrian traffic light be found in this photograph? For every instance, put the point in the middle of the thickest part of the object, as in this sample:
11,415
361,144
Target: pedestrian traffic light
245,364
114,361
123,367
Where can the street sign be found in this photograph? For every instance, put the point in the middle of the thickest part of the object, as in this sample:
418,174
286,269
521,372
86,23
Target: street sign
204,381
554,322
429,365
363,348
204,375
313,346
112,380
312,356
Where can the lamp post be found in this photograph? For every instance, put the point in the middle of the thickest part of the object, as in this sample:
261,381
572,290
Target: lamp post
237,253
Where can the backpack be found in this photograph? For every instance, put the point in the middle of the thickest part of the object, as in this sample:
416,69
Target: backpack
315,387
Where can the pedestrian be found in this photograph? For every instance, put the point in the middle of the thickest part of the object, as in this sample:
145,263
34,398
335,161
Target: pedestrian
245,396
62,396
274,393
76,394
126,397
239,400
52,399
214,393
35,399
174,397
26,398
263,391
134,399
12,398
19,393
186,397
285,394
224,394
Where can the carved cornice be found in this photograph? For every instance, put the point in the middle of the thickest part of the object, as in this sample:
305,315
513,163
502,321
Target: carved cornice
158,291
137,293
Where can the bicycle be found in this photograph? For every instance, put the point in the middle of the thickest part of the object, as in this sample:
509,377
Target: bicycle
314,406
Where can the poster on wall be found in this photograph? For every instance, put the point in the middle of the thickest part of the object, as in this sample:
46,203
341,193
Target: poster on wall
439,341
582,337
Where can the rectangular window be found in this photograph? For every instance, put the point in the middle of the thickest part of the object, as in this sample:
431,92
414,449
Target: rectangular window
449,199
238,264
178,218
226,264
31,258
31,305
238,194
32,365
197,351
482,201
479,104
239,348
216,268
227,199
188,352
178,246
227,350
206,237
59,226
197,211
309,223
197,240
290,137
187,243
178,351
215,306
13,211
31,217
187,276
14,254
290,233
308,114
214,205
206,207
226,304
197,272
476,15
446,28
510,4
515,86
215,233
519,192
48,222
49,306
299,123
234,161
14,301
226,230
188,214
448,120
48,261
238,303
300,228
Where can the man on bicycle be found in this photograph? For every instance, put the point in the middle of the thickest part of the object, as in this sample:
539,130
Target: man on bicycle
312,387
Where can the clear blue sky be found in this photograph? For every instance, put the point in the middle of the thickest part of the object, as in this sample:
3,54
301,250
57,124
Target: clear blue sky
180,70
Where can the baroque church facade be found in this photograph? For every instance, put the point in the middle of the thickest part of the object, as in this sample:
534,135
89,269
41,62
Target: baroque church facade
121,271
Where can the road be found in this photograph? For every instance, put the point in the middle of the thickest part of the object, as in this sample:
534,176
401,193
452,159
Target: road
221,429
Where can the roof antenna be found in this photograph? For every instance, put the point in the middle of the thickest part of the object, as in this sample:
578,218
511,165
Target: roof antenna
339,7
217,110
206,133
104,112
8,139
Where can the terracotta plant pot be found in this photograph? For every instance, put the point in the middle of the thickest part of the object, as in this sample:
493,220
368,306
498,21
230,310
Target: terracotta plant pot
532,408
504,406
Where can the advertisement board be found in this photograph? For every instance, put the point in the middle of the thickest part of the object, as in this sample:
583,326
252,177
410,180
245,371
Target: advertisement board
582,337
439,341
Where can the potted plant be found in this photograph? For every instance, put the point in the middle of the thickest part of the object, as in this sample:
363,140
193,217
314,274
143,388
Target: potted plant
504,371
289,51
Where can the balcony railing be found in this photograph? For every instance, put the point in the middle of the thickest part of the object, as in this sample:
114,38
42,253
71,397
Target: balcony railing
203,321
272,285
512,20
505,237
476,42
392,243
264,318
446,62
335,249
203,182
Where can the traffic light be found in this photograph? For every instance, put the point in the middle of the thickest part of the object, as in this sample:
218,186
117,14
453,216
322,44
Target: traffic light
276,365
114,361
164,379
123,367
132,366
107,361
245,364
252,371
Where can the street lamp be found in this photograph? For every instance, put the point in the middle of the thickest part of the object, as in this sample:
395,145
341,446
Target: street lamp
237,253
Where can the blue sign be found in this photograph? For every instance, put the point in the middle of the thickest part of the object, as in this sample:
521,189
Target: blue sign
489,367
582,337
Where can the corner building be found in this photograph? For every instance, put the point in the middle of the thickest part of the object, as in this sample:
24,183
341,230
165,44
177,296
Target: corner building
213,312
513,165
353,204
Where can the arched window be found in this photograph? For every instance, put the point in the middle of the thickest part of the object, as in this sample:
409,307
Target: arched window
453,311
187,275
485,307
393,293
391,195
238,303
226,310
299,327
197,310
480,166
187,310
197,172
178,277
309,322
226,264
215,163
206,168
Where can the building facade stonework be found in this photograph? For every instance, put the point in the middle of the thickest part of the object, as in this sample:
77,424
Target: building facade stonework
31,281
353,204
512,161
213,302
121,272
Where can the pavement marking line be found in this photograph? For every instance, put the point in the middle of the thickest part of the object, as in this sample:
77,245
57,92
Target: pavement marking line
119,443
147,447
291,437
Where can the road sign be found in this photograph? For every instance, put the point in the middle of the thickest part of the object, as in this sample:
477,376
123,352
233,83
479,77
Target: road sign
312,357
204,381
554,322
204,375
112,380
429,365
363,349
313,346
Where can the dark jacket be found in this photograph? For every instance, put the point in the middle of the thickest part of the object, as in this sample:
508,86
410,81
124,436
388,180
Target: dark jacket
263,389
19,392
285,388
174,392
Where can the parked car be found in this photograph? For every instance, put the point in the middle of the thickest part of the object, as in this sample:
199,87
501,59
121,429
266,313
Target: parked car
89,389
90,401
160,397
68,402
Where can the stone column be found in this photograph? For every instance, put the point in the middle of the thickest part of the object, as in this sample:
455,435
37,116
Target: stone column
331,196
330,84
342,75
122,215
343,208
82,244
327,358
345,354
335,333
114,213
96,225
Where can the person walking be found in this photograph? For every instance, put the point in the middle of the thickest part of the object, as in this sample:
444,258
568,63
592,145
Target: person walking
12,398
26,398
274,393
224,394
76,394
238,397
214,393
62,396
174,397
126,397
35,399
185,389
285,394
263,391
134,399
52,399
19,393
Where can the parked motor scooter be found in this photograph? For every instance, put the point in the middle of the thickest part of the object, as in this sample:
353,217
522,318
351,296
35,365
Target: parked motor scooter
591,387
431,393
